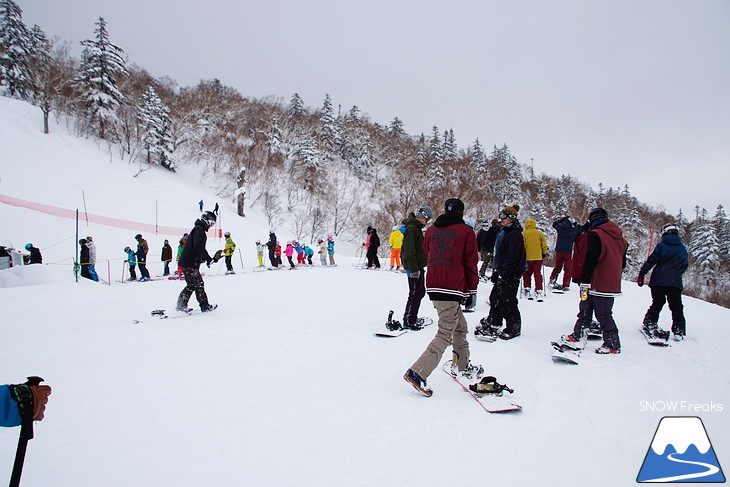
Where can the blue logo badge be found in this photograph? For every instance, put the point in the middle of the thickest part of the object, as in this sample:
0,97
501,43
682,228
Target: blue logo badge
680,452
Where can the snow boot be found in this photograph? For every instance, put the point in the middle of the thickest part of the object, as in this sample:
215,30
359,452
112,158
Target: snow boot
417,382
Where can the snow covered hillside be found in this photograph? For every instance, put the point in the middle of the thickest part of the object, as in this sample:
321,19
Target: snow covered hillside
285,384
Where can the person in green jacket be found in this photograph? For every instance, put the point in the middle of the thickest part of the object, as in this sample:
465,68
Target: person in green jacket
414,260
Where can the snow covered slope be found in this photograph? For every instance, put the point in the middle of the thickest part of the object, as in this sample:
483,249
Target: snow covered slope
285,384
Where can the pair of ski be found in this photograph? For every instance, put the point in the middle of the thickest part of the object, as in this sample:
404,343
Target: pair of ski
394,329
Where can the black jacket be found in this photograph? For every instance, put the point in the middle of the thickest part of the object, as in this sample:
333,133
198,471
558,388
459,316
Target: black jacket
194,252
510,258
486,239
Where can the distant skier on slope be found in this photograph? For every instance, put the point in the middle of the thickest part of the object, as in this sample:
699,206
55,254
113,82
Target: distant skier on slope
194,254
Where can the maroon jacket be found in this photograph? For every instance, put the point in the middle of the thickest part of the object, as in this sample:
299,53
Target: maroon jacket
605,259
580,247
452,259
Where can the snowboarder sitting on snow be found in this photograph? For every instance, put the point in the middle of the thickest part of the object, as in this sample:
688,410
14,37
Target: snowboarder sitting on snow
35,254
669,260
19,402
194,254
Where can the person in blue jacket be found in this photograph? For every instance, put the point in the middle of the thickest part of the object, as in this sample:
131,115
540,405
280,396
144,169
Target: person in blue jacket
132,261
669,260
20,401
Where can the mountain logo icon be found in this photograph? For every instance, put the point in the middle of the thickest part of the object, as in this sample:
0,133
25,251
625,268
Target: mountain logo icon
681,452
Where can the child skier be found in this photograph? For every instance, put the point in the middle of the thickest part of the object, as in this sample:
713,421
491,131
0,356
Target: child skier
289,252
132,261
322,252
228,252
260,252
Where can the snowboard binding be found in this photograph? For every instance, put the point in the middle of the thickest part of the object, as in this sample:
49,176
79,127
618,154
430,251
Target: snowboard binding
489,386
391,324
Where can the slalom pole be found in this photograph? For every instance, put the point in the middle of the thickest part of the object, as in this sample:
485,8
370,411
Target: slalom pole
651,239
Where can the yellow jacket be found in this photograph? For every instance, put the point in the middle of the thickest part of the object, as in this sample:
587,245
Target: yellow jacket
535,243
396,239
230,247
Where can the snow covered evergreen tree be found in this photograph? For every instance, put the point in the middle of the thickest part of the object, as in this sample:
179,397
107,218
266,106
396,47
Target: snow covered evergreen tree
508,184
478,161
15,51
154,121
436,176
704,249
295,113
275,137
328,131
101,66
722,230
449,150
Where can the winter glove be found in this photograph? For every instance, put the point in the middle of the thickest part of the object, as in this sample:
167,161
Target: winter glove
494,277
31,399
415,275
584,291
640,281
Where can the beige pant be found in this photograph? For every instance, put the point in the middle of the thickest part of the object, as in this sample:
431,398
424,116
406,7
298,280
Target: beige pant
452,329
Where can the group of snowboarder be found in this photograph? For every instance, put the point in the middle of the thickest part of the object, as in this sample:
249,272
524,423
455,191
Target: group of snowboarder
592,255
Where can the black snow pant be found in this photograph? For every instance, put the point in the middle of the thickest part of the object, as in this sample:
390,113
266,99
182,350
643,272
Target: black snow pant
273,259
229,264
416,292
504,305
373,260
585,318
672,296
603,308
193,284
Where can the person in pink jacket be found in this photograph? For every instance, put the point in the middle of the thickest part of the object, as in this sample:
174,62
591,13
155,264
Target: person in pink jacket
289,252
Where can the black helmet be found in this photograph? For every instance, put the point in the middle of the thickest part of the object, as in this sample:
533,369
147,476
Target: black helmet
127,249
208,218
138,236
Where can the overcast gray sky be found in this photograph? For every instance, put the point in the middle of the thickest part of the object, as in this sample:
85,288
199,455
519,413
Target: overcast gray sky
619,92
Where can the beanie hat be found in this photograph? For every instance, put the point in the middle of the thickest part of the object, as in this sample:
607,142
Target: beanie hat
509,212
454,205
597,213
424,212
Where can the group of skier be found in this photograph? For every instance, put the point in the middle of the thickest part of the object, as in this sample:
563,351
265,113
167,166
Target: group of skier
592,255
304,253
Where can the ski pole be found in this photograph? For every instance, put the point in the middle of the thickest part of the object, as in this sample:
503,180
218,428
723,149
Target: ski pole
26,433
